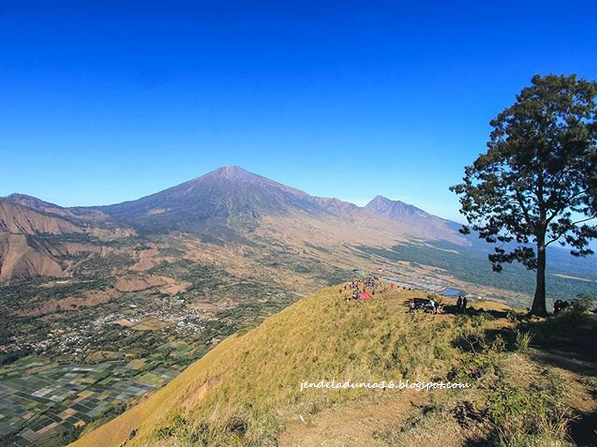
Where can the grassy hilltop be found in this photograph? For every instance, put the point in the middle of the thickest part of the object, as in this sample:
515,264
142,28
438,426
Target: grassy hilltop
246,391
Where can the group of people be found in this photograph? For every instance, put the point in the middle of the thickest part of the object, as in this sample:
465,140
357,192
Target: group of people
461,304
357,289
559,306
373,283
428,305
366,287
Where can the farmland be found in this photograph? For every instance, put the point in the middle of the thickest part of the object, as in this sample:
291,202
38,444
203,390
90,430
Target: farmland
47,404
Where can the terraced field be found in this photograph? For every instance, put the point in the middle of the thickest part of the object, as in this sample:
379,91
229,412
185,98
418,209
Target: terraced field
43,404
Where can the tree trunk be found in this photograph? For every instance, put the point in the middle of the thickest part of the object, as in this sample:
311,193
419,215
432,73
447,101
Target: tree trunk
539,306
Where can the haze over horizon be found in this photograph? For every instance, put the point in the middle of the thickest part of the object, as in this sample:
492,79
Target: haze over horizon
107,103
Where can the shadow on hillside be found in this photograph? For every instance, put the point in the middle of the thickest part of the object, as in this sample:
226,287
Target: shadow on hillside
453,310
569,342
489,335
583,430
476,443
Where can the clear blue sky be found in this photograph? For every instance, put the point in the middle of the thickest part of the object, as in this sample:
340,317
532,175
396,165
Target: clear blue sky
105,101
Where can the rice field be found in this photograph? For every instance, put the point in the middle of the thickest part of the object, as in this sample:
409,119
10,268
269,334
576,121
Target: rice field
40,404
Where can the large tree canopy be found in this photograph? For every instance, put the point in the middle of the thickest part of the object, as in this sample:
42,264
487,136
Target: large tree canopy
537,183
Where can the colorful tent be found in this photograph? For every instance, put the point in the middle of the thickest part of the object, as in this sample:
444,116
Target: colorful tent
365,296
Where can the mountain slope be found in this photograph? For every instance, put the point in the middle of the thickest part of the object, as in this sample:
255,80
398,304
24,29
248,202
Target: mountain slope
76,213
434,227
20,256
227,197
233,203
19,260
310,340
36,204
32,241
18,219
249,223
228,208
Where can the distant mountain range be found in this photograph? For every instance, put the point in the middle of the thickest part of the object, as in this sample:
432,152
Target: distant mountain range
231,198
239,215
229,204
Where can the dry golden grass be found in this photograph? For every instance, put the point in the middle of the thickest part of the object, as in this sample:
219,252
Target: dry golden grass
246,390
318,337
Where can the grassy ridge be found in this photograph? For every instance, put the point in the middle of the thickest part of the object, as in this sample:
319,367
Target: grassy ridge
318,337
246,390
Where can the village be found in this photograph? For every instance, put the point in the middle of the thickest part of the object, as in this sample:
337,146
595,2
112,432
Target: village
80,370
74,374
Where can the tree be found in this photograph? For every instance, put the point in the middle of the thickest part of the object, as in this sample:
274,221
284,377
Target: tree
537,183
583,302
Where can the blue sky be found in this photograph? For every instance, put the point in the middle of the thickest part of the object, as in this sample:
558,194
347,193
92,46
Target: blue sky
106,101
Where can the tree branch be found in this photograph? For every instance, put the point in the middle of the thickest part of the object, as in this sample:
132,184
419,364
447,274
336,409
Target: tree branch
524,209
568,200
562,233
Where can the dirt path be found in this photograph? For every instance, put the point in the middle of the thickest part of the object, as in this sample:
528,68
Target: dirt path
353,424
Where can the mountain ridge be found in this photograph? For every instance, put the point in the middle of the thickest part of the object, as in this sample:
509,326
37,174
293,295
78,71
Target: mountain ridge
231,192
229,206
413,216
19,219
232,172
